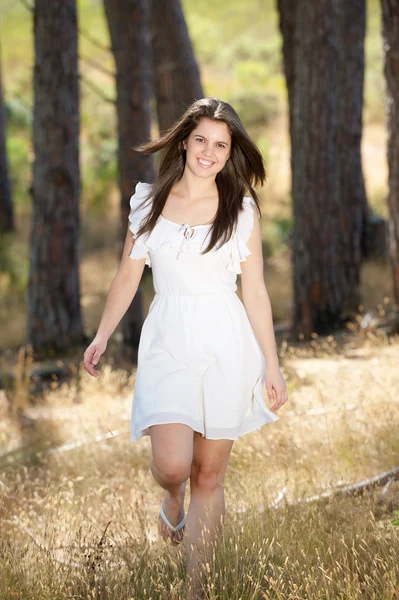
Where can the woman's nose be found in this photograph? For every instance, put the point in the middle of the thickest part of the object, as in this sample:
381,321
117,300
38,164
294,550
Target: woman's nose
207,151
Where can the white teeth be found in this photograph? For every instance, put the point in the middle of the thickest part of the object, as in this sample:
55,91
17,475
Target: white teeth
205,163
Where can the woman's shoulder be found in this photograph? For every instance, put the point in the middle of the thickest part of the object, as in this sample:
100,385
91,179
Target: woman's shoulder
140,203
246,217
141,192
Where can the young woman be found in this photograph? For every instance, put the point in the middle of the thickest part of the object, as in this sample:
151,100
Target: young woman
204,356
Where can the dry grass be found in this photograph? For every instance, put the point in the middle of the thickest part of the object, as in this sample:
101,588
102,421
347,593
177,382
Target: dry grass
335,550
80,522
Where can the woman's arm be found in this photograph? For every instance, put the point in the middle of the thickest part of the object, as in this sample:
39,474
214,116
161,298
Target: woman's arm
122,290
121,293
257,304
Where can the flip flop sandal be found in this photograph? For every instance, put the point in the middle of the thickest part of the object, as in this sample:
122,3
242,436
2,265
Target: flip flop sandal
175,534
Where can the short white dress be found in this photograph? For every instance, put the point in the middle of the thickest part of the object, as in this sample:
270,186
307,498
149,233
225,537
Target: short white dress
199,362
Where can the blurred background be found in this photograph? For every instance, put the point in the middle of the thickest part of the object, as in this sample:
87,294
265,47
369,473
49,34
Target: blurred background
239,52
312,499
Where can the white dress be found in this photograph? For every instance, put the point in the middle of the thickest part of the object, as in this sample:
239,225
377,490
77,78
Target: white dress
199,362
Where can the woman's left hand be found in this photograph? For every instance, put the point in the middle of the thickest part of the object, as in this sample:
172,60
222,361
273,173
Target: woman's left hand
275,383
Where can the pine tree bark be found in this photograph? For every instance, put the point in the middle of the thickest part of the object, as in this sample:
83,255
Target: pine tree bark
131,45
352,201
350,215
318,293
54,318
390,31
6,207
176,73
287,22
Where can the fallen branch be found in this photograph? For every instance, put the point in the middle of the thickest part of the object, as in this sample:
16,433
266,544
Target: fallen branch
68,446
386,478
279,498
79,444
378,480
386,487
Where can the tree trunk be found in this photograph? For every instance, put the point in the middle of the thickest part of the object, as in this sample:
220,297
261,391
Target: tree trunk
352,201
318,290
347,20
6,208
176,72
54,316
287,22
390,26
130,40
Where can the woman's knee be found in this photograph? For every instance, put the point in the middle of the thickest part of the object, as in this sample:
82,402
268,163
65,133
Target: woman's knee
172,451
172,471
206,478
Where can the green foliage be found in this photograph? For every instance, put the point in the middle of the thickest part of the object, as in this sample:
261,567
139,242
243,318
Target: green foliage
255,110
378,202
19,114
276,234
18,152
101,172
14,270
250,97
246,68
242,48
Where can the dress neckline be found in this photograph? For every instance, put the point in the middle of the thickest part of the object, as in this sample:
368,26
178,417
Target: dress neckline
183,224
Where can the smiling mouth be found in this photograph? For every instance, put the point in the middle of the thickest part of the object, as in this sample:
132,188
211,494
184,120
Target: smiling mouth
205,164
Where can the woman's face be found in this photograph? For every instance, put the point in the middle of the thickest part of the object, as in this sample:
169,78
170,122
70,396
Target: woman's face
207,148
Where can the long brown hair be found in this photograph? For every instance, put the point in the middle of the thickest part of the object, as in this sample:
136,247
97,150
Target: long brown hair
244,169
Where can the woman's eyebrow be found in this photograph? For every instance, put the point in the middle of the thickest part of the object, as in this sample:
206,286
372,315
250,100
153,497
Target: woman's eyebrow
204,136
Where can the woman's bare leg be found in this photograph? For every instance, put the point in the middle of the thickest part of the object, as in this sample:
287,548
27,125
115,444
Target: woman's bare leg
206,510
172,454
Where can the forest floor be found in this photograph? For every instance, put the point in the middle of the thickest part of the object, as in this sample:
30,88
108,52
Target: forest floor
79,505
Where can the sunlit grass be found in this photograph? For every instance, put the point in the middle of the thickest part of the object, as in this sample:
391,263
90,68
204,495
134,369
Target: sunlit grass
331,549
79,521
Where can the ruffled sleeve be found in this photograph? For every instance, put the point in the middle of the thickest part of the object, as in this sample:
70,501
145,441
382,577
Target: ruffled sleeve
239,250
137,213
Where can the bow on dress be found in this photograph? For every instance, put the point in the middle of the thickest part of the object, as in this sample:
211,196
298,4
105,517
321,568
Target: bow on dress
188,234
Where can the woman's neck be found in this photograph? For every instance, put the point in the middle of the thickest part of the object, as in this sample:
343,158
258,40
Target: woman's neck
192,187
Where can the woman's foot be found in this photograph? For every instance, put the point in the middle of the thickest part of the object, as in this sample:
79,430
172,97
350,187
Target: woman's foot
173,514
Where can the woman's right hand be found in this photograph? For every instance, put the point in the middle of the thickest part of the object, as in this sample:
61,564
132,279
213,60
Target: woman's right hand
92,356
